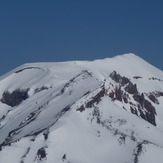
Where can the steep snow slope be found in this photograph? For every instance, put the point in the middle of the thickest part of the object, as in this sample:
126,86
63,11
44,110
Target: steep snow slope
108,110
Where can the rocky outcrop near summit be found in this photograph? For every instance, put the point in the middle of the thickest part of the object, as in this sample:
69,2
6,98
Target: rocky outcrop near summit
124,90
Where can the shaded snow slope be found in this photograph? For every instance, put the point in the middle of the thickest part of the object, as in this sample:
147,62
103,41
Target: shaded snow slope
108,110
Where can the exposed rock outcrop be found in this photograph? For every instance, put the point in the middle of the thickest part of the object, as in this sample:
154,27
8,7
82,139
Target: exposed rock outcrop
27,68
41,154
119,79
153,98
124,88
14,98
131,88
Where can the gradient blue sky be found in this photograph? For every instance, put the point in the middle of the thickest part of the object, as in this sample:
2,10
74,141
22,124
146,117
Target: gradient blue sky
61,30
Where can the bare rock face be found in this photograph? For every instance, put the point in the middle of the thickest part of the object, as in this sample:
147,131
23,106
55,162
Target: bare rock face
14,98
146,109
94,100
27,68
41,154
139,98
118,93
122,91
153,98
114,95
159,94
119,79
143,108
131,88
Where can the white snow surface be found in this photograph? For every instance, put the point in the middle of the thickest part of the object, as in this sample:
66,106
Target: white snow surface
60,106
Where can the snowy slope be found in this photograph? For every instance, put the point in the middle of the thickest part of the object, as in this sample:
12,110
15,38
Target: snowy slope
100,111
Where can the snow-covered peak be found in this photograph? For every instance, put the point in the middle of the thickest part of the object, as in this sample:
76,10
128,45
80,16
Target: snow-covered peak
82,112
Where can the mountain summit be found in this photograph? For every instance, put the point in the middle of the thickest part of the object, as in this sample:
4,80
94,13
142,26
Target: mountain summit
99,111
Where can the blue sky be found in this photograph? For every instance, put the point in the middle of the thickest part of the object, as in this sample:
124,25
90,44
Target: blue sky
62,30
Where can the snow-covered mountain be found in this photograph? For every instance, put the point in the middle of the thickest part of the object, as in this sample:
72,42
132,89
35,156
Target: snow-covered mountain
100,111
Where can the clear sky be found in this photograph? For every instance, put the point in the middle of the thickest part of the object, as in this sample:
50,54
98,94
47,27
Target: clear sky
62,30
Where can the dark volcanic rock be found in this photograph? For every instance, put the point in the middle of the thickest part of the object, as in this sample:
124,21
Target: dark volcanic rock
46,134
153,98
154,78
118,78
81,108
139,98
148,117
151,118
14,98
139,150
64,157
143,108
41,154
94,100
118,94
149,107
159,94
133,110
41,89
111,95
26,68
137,77
146,109
131,88
125,98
